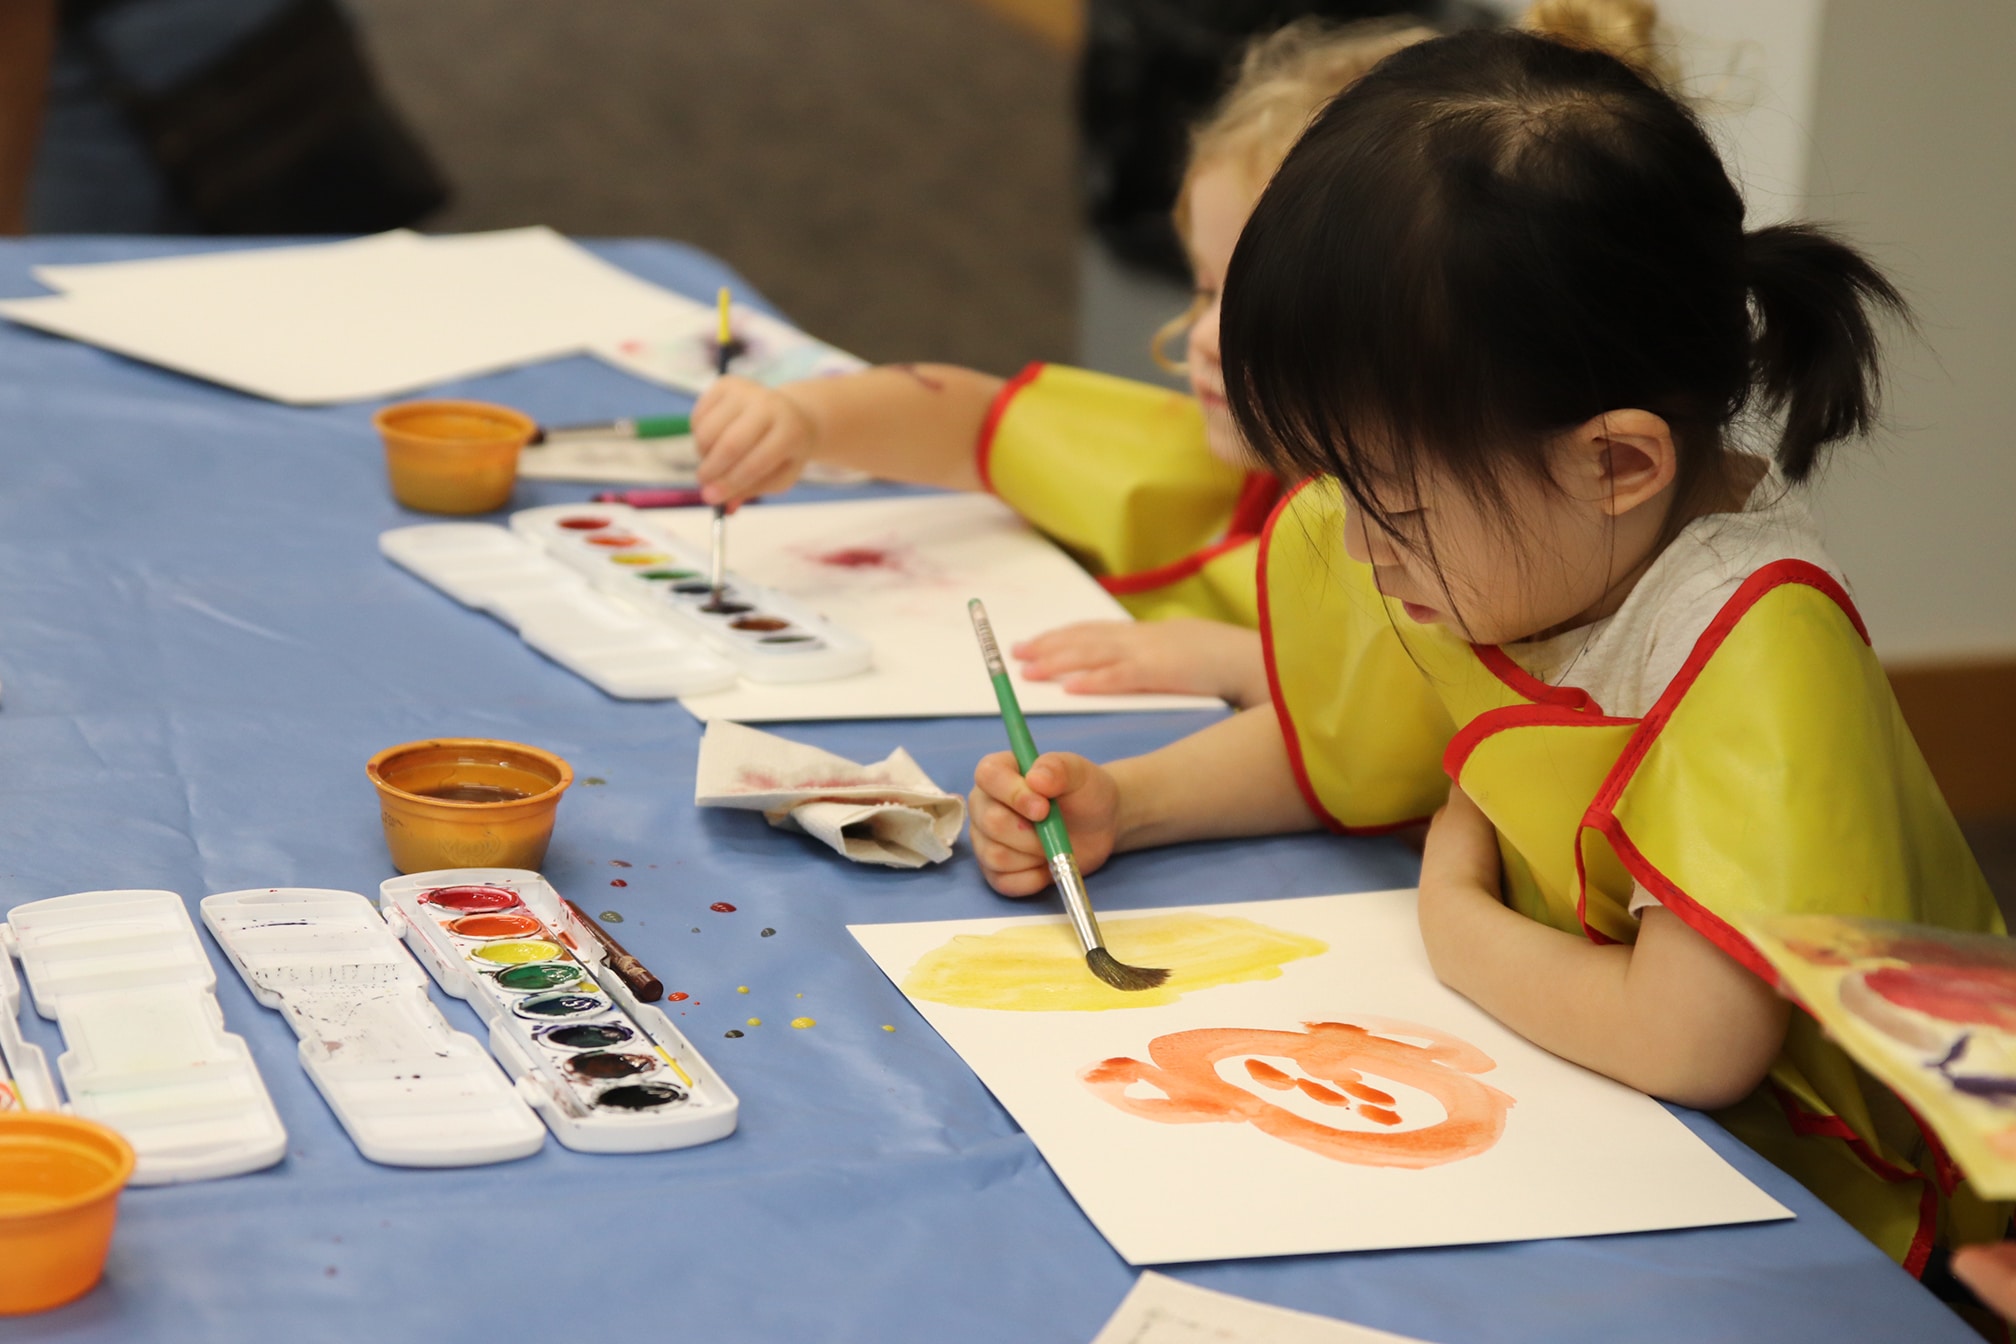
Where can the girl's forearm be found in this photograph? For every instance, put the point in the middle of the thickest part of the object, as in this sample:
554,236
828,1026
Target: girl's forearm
1670,1015
903,422
1231,779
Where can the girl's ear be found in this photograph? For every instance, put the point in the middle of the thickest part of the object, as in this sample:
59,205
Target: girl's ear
1617,460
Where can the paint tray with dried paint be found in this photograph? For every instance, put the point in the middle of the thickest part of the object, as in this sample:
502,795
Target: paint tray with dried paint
145,1050
608,1074
410,1090
627,653
767,635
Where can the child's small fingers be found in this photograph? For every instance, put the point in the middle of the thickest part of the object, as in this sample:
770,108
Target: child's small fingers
1053,775
1021,884
728,445
1112,679
1003,825
764,457
1060,663
999,860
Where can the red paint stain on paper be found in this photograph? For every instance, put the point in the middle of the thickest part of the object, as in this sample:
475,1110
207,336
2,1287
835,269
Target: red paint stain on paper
618,882
858,557
676,996
1336,1058
722,908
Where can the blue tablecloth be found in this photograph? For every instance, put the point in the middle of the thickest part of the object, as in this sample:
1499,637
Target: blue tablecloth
200,647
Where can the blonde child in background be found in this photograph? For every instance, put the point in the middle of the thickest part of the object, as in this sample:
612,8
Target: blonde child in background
1152,491
1500,308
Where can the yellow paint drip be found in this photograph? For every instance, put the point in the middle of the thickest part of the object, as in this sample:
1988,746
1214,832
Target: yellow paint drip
741,989
887,1027
755,1021
802,1022
1035,968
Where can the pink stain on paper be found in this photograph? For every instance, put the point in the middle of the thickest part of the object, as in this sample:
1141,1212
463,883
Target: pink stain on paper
1342,1064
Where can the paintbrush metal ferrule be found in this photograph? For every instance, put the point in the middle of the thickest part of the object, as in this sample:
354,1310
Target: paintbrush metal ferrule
718,565
984,629
1070,884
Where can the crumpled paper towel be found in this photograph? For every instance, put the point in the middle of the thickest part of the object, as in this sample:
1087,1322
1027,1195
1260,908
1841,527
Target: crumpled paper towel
888,813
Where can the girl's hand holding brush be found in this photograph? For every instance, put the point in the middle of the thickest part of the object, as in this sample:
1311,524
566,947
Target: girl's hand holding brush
1005,807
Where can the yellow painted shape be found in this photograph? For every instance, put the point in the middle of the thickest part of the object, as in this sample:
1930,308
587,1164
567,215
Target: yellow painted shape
519,953
741,989
755,1021
1034,968
802,1022
887,1027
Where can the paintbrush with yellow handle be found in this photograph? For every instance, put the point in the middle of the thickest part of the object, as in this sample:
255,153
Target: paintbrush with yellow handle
724,350
1056,839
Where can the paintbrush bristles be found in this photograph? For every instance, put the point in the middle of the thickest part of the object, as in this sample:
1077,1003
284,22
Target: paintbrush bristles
1132,979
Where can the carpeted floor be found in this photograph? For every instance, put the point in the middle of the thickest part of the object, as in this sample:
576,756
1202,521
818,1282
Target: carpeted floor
895,173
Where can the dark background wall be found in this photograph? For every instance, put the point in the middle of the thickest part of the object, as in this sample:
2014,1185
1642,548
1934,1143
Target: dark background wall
896,174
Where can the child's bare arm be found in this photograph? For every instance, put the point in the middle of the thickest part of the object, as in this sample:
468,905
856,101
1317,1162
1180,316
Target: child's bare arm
1181,656
906,422
1671,1015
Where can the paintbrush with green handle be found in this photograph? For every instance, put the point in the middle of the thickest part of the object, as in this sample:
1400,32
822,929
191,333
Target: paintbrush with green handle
1056,840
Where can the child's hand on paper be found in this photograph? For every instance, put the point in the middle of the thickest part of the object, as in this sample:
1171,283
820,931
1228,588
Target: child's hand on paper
752,440
1185,656
1005,806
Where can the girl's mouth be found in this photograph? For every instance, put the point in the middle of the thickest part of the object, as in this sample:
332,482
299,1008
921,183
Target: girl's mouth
1417,613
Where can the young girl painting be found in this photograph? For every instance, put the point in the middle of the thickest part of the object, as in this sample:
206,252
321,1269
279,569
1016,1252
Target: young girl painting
1154,492
1500,311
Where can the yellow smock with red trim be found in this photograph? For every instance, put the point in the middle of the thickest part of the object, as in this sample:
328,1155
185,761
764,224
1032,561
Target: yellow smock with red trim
1774,775
1119,474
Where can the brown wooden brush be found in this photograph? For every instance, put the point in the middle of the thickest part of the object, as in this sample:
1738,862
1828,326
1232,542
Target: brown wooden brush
647,987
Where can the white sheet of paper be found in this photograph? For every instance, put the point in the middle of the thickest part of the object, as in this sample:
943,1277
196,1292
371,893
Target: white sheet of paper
1162,1310
929,554
1579,1155
679,349
355,320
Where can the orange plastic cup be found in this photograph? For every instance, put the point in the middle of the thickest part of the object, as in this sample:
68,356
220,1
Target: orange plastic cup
60,1177
453,456
467,802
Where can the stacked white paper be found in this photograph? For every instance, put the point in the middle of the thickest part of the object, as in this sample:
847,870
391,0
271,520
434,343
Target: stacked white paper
362,319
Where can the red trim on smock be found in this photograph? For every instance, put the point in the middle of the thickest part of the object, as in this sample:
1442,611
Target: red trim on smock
1281,712
983,447
1257,499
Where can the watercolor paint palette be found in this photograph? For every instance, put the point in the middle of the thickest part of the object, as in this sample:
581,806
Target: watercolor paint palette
608,1074
25,1081
612,645
410,1090
768,636
126,978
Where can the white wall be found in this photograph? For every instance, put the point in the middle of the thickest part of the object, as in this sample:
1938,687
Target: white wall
1914,153
1895,120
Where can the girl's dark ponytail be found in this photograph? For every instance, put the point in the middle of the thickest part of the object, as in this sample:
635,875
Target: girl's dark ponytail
1814,346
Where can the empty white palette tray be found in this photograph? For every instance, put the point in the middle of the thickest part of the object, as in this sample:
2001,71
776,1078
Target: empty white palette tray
126,978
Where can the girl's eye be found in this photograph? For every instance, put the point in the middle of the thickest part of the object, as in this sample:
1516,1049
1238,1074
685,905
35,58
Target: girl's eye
1406,526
